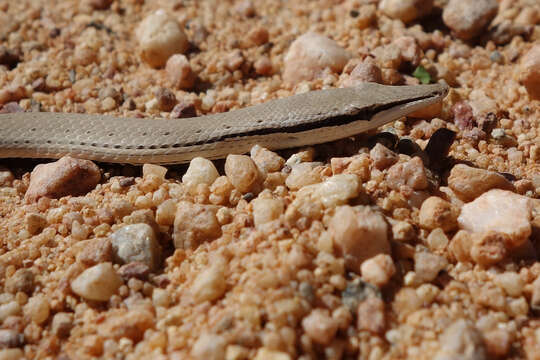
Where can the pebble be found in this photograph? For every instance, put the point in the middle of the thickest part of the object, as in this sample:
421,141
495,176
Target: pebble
359,234
160,37
99,4
468,19
97,283
242,173
23,280
510,282
406,10
492,212
11,339
267,161
9,57
411,173
67,176
95,251
410,51
488,248
263,66
320,326
268,354
530,71
382,157
366,71
6,177
11,308
179,72
210,284
303,174
371,316
183,109
469,183
378,270
11,354
62,323
166,100
463,115
438,213
37,309
194,224
258,36
266,210
337,190
309,55
137,242
427,266
461,340
200,171
165,212
135,269
437,240
209,347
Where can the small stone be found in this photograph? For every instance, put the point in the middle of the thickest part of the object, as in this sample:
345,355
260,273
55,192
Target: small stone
383,157
234,60
463,115
371,315
62,323
366,71
427,266
200,171
11,308
406,10
183,110
469,183
410,50
160,37
242,173
166,100
320,326
438,213
258,36
491,212
194,224
460,246
179,72
96,251
209,347
468,19
263,66
309,55
267,161
37,309
337,190
67,176
359,234
99,4
21,281
136,242
437,240
128,325
134,269
266,210
378,270
411,173
529,71
97,283
10,339
461,340
498,342
165,212
488,248
510,282
8,57
210,284
6,177
267,354
303,174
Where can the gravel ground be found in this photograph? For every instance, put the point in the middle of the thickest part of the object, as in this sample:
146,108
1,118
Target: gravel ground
389,245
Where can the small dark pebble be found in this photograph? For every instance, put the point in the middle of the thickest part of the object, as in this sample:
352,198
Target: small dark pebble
99,26
386,138
126,181
9,58
54,33
408,147
183,110
166,99
356,291
248,196
134,269
306,290
496,57
161,281
72,75
439,144
354,13
508,176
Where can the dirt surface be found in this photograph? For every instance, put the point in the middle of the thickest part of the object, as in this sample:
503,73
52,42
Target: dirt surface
379,247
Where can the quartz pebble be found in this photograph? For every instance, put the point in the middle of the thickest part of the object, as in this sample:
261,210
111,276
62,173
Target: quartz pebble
266,210
95,251
371,316
200,171
382,156
406,10
438,213
67,176
210,284
209,347
242,173
267,161
427,266
461,340
160,37
320,326
359,234
366,71
137,242
303,174
488,248
37,309
194,224
468,19
378,270
491,212
179,72
97,283
469,183
530,71
8,309
411,173
309,55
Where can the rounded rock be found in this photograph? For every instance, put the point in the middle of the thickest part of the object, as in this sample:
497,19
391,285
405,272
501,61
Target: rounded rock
468,19
200,171
242,172
97,283
179,72
406,10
